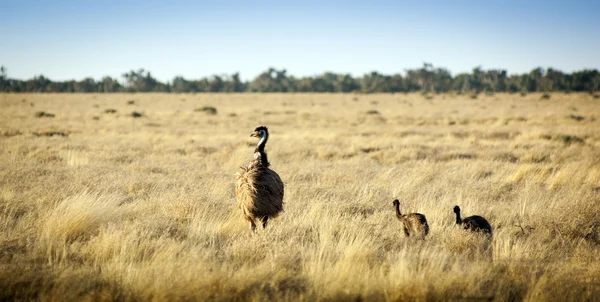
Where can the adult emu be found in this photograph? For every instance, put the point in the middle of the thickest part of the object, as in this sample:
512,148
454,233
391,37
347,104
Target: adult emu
258,189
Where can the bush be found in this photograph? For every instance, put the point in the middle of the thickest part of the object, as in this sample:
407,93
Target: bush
546,96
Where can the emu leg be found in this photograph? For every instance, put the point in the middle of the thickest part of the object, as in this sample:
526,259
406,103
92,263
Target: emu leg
252,225
264,221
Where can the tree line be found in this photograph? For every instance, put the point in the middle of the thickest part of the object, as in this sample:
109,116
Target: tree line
425,79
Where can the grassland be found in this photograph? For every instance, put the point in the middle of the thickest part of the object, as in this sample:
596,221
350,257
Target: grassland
96,204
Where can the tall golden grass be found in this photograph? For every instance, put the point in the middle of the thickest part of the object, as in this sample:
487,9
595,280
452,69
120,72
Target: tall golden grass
123,208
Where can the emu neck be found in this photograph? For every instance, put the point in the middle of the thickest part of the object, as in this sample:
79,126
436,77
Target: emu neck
458,220
261,144
259,152
398,211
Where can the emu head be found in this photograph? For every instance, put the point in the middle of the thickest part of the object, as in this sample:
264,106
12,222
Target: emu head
456,210
260,132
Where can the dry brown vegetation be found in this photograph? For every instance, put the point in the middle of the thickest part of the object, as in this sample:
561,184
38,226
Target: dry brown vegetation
126,208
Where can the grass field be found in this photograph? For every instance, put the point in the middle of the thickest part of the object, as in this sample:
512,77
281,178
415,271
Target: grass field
98,205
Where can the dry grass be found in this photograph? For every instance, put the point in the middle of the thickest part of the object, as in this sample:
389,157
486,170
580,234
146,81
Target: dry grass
127,208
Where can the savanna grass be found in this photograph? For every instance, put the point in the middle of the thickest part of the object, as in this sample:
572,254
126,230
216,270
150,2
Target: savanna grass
126,208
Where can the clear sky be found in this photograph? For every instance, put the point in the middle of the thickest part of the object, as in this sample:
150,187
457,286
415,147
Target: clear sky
66,40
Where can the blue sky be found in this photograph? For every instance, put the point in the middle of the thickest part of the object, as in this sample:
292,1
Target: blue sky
66,40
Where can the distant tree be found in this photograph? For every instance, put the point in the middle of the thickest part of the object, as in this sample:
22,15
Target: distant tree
585,80
345,83
494,81
303,84
476,80
442,80
413,80
376,82
37,84
555,80
216,84
86,85
4,84
109,84
535,79
236,83
397,83
142,81
180,84
427,76
271,80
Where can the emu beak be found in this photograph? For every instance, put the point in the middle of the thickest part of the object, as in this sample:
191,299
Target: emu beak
254,134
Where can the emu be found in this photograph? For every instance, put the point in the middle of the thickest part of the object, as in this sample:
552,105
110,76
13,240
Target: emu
415,224
258,189
473,223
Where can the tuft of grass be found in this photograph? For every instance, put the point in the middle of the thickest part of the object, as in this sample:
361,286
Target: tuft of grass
41,114
372,111
576,117
75,158
78,217
136,114
51,133
10,132
545,96
564,138
568,139
110,110
207,109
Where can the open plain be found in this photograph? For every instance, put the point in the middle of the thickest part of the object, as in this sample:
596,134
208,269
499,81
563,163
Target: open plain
98,203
